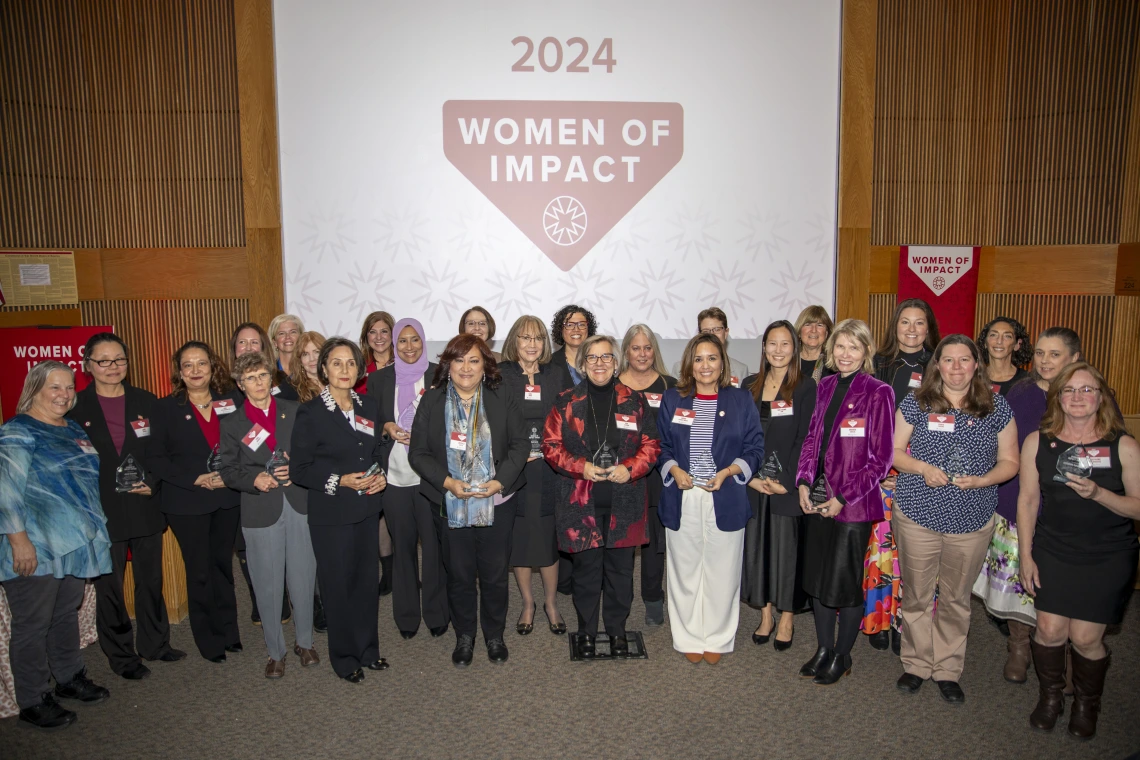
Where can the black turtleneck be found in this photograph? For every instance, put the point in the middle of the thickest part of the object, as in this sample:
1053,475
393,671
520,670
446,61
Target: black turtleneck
833,408
601,425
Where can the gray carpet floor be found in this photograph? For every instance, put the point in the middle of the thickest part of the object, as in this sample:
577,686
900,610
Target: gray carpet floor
541,705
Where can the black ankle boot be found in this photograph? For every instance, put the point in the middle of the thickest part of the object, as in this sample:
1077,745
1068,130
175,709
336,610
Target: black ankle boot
812,666
837,666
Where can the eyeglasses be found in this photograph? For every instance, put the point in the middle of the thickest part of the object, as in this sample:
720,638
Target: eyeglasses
472,323
258,379
603,358
105,363
530,339
713,330
576,325
1087,390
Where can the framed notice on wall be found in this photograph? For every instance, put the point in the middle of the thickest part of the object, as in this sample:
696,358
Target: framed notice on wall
37,278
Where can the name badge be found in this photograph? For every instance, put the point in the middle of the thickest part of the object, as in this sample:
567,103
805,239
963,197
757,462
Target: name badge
626,421
1101,458
853,427
141,428
85,446
782,409
532,393
996,388
943,423
255,437
458,441
735,381
684,417
365,425
224,406
275,390
915,380
422,392
654,400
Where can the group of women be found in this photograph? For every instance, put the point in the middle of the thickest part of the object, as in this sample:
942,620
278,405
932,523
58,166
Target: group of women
871,486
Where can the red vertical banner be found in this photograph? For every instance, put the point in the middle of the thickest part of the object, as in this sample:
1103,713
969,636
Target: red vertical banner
946,277
22,348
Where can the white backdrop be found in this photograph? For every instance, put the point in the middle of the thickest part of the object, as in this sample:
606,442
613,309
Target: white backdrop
734,206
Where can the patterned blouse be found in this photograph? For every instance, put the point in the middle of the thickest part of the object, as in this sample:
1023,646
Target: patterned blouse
940,439
49,487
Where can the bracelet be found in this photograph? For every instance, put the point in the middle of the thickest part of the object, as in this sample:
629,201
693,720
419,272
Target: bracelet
331,484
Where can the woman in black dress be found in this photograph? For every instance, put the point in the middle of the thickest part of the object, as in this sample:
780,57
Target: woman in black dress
643,370
534,382
771,578
1079,553
1006,349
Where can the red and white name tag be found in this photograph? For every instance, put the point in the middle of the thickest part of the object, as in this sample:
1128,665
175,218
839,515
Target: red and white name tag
141,428
943,423
275,390
782,408
1100,459
996,388
626,421
735,381
915,380
853,427
684,417
365,425
654,400
458,441
255,437
85,446
422,392
224,406
532,393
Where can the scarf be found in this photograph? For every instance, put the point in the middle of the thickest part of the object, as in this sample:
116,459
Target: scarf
407,375
267,420
476,511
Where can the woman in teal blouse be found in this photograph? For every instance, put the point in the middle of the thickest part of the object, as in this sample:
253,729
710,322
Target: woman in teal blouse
52,535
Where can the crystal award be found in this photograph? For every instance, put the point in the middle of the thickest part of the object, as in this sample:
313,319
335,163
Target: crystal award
535,442
277,459
772,467
703,463
604,458
1073,460
128,475
475,473
214,461
818,494
955,464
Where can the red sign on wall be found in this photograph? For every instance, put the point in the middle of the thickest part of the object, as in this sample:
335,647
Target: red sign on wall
21,348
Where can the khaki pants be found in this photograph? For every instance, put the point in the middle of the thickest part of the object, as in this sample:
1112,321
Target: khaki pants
935,647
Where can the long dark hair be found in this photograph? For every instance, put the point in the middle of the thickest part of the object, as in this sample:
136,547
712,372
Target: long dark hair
792,378
1022,355
686,384
979,398
220,382
460,346
890,348
563,314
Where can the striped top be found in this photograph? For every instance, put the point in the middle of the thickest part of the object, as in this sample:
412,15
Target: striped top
701,465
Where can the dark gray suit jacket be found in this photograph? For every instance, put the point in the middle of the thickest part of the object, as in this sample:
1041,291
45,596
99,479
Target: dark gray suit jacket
241,464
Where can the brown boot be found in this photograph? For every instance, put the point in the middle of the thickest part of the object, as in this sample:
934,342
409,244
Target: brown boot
1088,685
1017,663
1049,663
1068,670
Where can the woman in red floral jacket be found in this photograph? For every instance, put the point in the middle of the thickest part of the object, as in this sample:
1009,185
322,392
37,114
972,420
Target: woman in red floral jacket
601,437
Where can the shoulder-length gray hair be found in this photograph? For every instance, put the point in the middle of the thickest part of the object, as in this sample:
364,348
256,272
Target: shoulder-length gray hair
630,334
588,346
35,382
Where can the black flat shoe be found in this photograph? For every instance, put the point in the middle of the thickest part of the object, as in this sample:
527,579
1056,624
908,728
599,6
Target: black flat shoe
559,628
497,651
951,692
586,647
355,676
234,648
837,666
896,642
909,683
812,666
761,640
49,715
408,634
320,620
171,655
82,689
464,651
619,646
880,641
523,629
255,616
783,646
136,672
380,664
218,658
438,631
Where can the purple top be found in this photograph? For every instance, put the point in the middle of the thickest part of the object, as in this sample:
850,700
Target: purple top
1028,404
115,415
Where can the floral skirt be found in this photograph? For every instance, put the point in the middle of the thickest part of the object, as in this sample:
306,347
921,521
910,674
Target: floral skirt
882,583
999,584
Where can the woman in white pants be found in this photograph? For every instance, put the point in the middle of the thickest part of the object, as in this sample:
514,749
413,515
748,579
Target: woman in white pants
711,444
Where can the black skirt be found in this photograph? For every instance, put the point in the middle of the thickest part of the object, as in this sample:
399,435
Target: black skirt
1096,589
773,560
833,560
534,543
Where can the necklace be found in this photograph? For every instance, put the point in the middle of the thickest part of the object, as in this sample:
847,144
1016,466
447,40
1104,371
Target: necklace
594,415
201,406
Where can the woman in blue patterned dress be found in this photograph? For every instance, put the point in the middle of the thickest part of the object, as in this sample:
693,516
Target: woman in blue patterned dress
53,535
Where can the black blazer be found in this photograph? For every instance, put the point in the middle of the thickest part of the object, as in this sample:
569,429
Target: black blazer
552,379
509,443
128,515
559,358
325,446
382,387
178,454
785,436
241,466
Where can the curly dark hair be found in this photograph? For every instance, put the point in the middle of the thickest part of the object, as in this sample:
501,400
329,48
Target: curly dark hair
220,382
1022,356
563,314
460,346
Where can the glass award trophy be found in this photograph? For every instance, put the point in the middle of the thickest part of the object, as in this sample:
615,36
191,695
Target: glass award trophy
375,469
276,459
1073,460
535,442
818,494
128,475
604,458
704,463
955,464
214,461
772,467
474,473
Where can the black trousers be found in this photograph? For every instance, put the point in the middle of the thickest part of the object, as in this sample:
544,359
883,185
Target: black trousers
483,555
45,633
608,573
408,513
653,561
207,543
151,637
349,574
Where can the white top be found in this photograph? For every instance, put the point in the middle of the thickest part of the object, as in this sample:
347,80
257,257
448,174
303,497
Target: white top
400,472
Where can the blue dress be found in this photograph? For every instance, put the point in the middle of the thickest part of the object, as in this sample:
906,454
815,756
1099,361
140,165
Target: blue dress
49,487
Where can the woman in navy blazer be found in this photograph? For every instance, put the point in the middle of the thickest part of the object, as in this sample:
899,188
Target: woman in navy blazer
710,438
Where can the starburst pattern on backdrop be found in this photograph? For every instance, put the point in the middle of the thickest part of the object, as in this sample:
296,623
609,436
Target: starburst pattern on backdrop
822,240
694,232
301,288
400,232
441,290
587,287
763,234
363,289
476,232
656,292
512,295
728,290
625,237
328,235
796,290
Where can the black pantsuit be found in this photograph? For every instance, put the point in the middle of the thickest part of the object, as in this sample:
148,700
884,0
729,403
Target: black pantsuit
207,543
349,576
151,640
410,522
603,573
653,558
482,554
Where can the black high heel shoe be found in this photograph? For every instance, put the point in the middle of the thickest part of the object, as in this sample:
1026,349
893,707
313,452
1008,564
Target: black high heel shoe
559,628
783,646
761,640
521,628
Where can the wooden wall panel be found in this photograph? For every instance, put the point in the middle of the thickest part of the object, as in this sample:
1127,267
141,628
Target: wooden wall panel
119,124
880,308
31,316
1074,269
1123,374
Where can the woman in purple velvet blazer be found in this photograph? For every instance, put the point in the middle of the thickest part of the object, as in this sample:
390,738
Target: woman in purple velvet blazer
849,444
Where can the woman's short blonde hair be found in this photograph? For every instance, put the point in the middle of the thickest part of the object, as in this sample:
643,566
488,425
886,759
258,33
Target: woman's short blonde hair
37,379
522,324
857,330
588,345
279,320
630,334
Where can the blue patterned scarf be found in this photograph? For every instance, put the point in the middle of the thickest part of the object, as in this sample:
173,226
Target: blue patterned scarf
476,511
